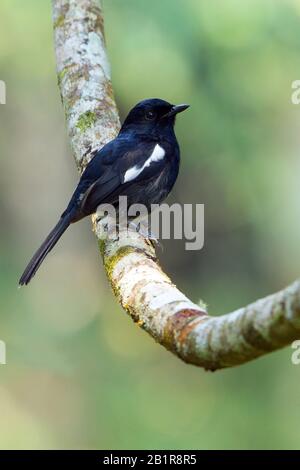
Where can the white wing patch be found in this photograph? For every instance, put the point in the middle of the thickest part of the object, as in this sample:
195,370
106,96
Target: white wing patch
157,155
132,173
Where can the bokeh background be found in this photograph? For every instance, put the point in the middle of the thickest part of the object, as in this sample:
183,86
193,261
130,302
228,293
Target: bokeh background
79,373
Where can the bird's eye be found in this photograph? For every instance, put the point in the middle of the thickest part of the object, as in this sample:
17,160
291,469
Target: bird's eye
150,115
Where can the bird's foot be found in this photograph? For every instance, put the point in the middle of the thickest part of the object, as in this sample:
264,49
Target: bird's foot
147,234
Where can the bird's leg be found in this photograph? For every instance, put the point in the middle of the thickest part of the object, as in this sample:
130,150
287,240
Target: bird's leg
108,227
143,229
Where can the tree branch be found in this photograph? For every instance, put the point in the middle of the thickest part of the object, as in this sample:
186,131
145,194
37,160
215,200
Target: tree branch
139,284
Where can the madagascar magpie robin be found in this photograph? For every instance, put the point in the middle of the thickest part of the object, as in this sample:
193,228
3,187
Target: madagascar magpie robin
142,163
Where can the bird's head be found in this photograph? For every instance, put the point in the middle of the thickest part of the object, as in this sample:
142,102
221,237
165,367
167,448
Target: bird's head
152,115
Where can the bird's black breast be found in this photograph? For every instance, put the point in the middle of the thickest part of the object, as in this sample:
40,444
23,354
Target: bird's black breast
155,186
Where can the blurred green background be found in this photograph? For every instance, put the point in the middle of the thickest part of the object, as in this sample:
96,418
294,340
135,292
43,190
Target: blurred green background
79,373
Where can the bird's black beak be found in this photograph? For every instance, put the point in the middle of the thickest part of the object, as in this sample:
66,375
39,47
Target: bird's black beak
177,108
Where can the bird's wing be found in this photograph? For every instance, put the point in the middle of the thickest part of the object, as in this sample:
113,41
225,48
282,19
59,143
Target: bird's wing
129,161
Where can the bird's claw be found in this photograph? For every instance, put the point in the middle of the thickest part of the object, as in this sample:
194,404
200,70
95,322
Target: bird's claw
147,234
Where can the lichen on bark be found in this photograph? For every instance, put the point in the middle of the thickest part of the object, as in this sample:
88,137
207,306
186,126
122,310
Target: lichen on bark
84,76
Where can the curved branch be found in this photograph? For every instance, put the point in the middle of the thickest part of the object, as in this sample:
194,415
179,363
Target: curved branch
141,287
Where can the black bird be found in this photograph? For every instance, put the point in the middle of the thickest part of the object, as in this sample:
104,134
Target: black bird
142,163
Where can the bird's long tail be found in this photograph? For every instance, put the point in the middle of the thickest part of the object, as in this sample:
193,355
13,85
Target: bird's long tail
45,248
